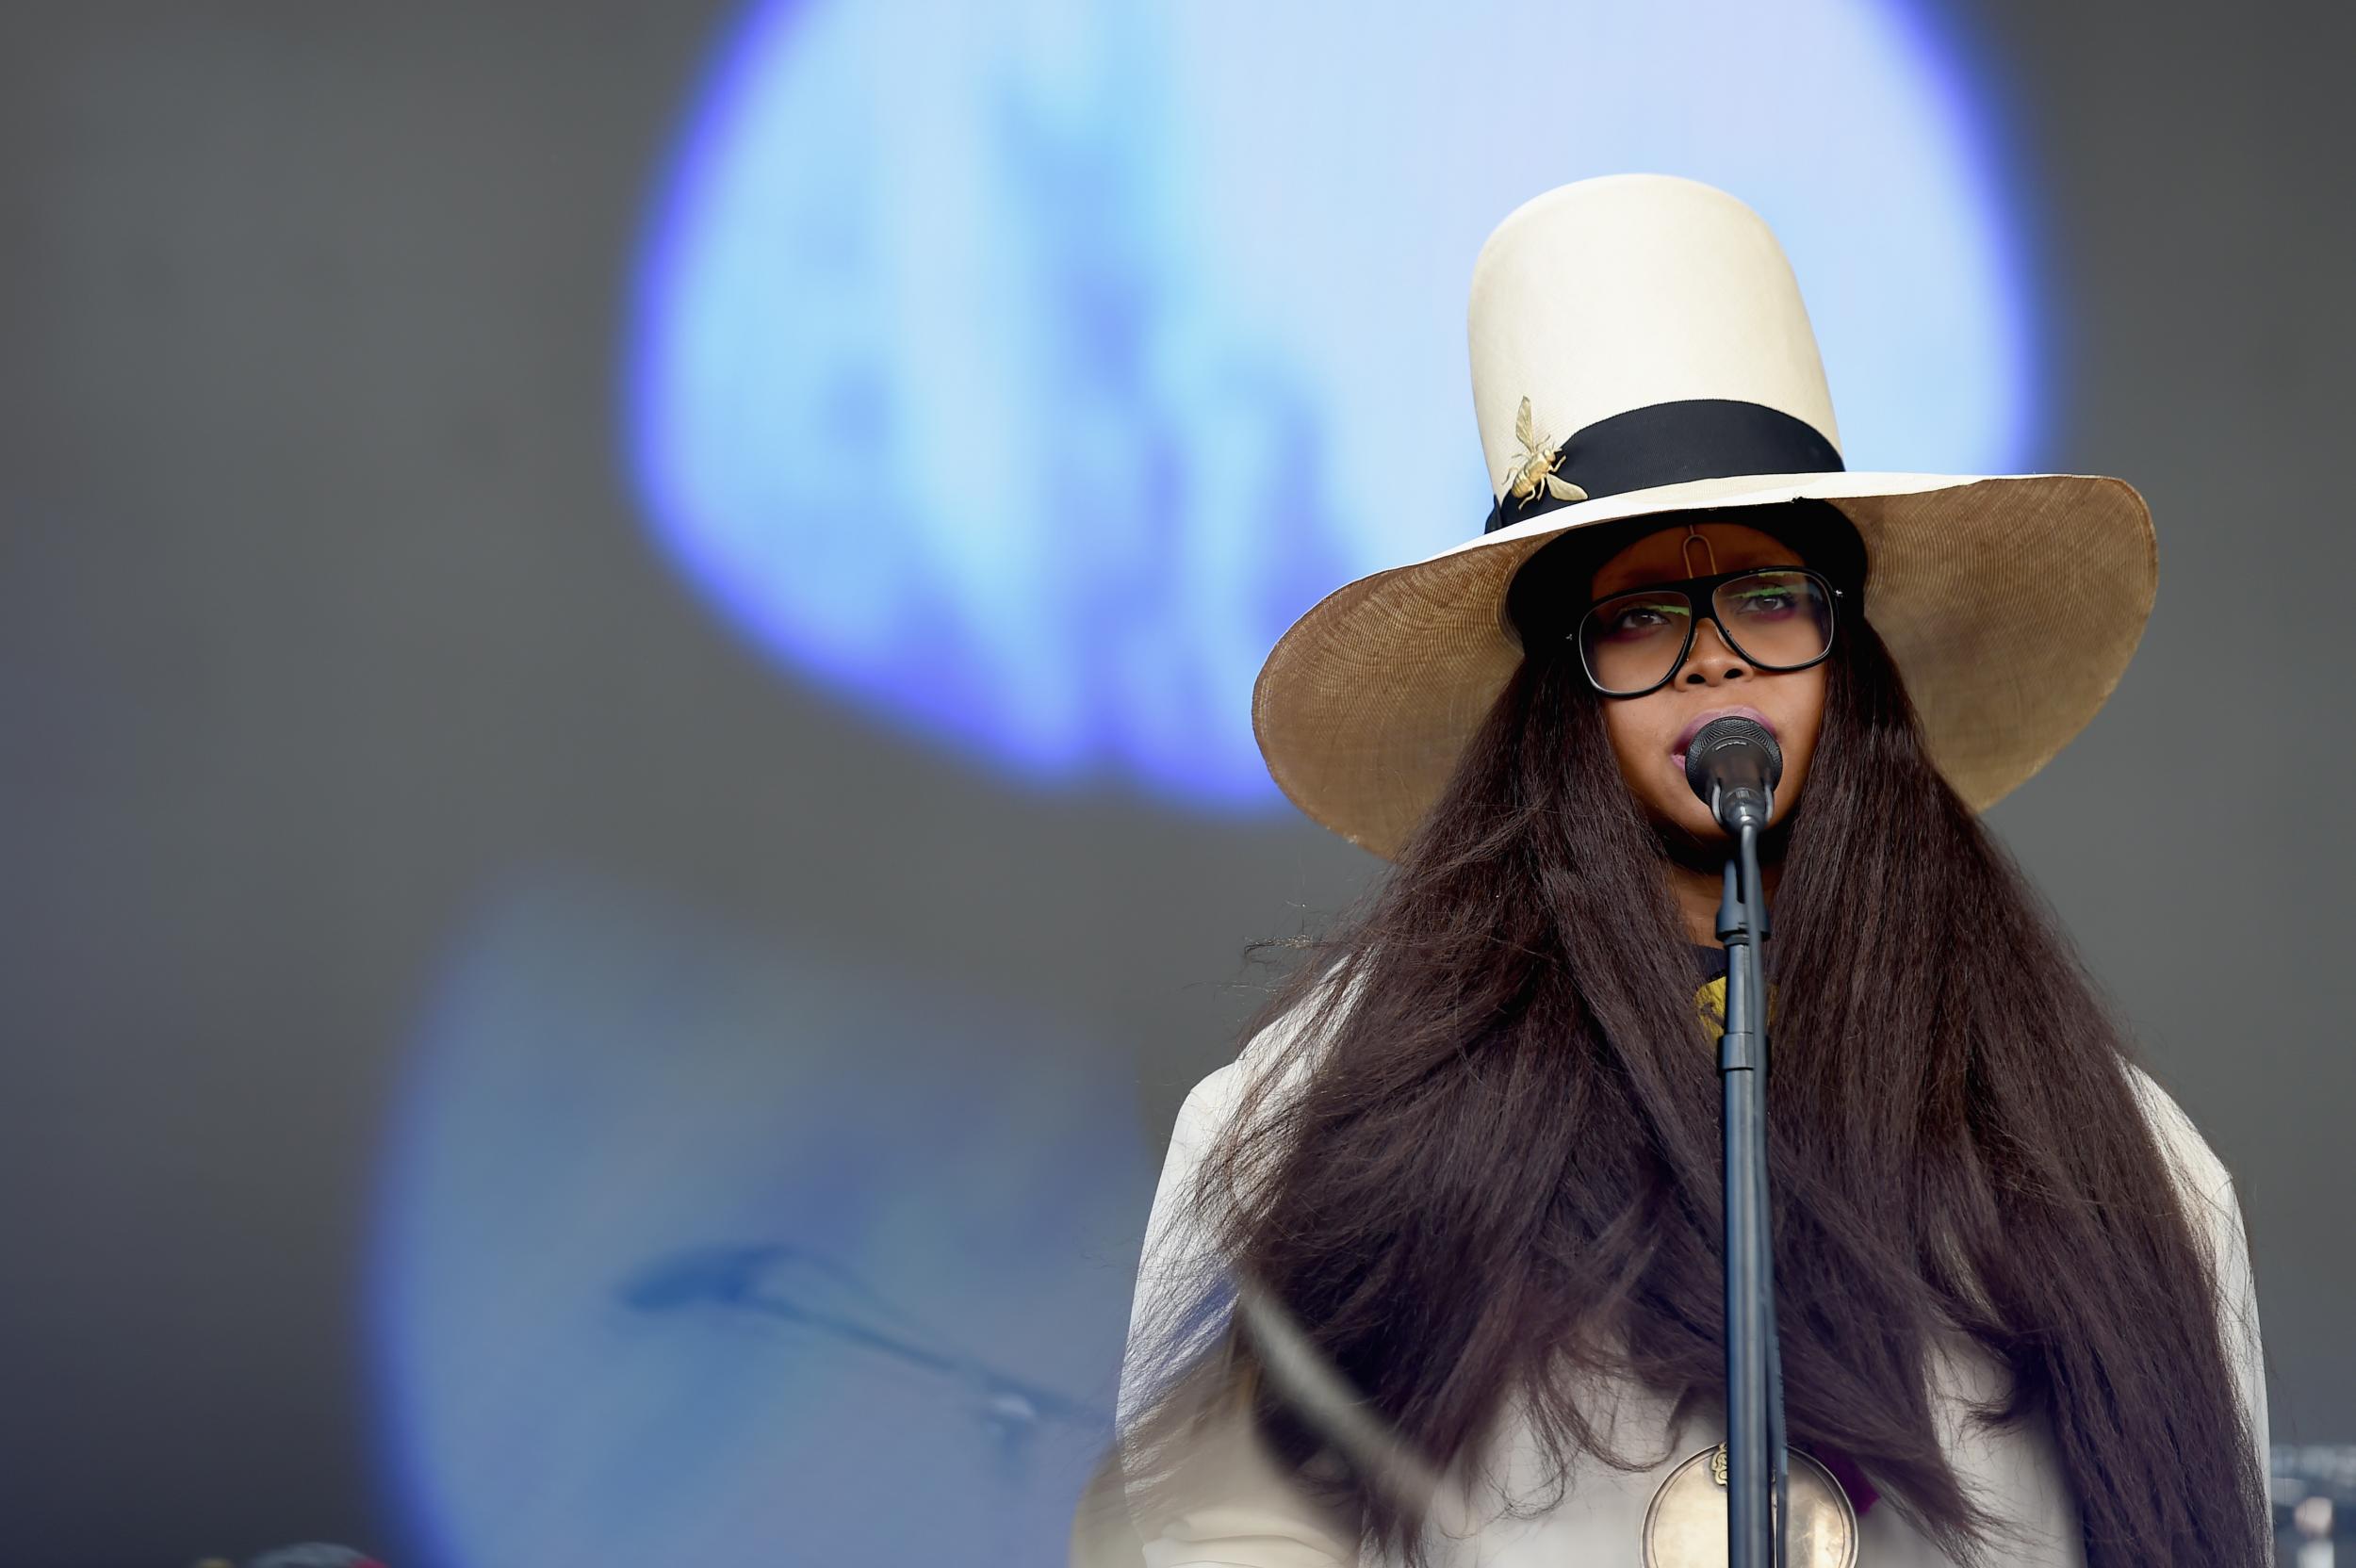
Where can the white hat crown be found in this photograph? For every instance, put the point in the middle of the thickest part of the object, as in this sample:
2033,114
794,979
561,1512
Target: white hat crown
1640,292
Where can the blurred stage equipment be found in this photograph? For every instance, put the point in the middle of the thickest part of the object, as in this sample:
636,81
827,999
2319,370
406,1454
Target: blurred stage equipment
793,1285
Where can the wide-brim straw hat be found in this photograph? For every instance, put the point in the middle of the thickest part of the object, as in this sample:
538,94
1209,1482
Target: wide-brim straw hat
1658,322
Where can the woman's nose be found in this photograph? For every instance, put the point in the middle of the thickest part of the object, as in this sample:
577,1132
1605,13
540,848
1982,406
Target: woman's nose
1710,662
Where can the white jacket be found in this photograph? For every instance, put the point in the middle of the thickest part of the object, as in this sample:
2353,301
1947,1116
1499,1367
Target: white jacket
1252,1517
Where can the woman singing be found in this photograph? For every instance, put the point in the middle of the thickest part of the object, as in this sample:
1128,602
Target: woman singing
1434,1269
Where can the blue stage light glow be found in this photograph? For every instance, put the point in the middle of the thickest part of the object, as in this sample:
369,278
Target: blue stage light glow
1019,372
694,1250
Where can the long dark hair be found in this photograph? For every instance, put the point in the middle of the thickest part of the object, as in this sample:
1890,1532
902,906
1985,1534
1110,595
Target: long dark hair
1497,1172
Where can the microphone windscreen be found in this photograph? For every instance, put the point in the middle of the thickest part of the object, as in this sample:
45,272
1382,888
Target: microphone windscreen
1724,740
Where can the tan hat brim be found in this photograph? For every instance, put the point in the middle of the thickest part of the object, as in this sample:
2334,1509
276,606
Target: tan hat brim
2011,606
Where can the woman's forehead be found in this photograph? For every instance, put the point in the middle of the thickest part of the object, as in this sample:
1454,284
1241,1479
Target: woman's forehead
1691,550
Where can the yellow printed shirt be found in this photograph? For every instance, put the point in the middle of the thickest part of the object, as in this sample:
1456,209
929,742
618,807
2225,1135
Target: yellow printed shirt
1710,1000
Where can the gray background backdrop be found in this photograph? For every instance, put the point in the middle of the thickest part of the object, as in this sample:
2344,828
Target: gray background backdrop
321,601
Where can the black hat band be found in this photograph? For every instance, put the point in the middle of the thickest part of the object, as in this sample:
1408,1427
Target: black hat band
1672,444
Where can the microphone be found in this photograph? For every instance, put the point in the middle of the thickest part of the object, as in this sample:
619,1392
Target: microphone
1734,765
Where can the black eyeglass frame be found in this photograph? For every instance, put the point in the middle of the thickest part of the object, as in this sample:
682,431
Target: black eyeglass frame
1701,594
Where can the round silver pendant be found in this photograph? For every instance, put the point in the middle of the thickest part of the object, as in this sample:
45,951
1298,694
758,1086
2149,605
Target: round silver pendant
1686,1526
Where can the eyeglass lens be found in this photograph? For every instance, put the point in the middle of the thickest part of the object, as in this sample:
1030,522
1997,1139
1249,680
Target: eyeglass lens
1778,620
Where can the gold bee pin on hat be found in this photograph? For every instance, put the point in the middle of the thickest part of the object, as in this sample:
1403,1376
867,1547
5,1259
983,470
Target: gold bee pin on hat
1534,471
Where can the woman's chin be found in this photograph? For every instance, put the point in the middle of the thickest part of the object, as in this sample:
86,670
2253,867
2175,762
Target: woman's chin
1693,838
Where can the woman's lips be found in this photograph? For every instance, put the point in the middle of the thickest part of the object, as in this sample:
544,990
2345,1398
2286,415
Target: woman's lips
1693,728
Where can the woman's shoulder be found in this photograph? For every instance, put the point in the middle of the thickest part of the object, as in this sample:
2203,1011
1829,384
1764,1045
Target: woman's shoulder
2195,1164
1180,1237
1279,1050
2206,1189
2203,1184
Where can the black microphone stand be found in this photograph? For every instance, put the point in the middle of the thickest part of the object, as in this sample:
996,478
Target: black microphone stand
1757,1483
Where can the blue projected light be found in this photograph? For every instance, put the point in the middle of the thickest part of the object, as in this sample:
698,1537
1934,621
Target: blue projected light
691,1250
1019,373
